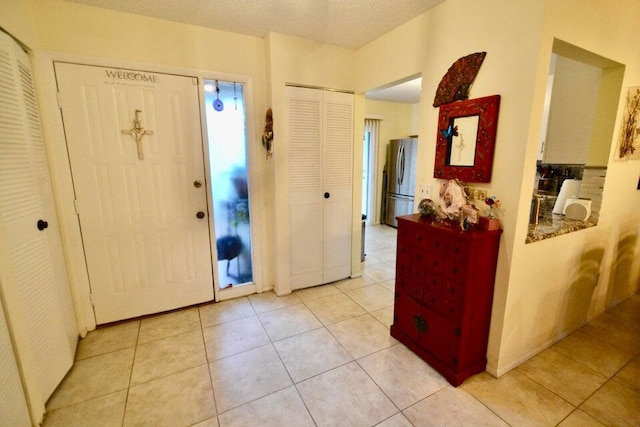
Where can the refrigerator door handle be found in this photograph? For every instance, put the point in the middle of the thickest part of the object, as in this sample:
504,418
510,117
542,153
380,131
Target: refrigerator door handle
402,165
398,164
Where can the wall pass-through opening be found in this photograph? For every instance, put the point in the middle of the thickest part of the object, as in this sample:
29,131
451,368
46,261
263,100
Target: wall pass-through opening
227,136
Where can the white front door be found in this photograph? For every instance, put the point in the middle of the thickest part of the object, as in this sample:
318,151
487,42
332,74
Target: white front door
135,148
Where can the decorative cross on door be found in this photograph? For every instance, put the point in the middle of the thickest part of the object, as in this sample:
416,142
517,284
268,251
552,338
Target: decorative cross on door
137,132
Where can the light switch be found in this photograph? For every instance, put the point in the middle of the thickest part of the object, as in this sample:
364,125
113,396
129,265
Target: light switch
424,191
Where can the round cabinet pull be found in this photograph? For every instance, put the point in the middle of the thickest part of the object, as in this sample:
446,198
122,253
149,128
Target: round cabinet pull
197,183
42,224
327,195
200,214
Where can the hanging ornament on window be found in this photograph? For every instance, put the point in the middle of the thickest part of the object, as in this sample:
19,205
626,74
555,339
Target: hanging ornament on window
235,97
217,104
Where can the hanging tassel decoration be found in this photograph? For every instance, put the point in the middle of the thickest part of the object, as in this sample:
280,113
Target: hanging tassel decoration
267,136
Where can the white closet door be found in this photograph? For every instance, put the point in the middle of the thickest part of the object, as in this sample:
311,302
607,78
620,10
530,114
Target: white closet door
26,201
13,406
320,127
304,108
337,175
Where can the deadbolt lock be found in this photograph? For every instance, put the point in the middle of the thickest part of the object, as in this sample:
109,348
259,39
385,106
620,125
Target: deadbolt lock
197,183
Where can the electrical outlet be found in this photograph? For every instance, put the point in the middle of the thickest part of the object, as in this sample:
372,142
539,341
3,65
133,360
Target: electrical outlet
424,191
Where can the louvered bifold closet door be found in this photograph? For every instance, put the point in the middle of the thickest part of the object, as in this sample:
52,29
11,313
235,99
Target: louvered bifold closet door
320,125
25,199
13,406
304,109
337,177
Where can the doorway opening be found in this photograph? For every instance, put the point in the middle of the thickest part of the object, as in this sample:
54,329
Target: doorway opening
226,131
369,170
397,104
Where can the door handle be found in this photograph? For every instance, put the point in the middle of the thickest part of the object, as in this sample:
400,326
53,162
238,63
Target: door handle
197,183
402,166
42,224
398,164
200,214
327,195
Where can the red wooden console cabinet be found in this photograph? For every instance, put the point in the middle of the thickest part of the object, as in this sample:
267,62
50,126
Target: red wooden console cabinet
444,292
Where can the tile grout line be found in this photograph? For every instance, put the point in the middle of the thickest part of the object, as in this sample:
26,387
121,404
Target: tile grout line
488,408
133,362
206,356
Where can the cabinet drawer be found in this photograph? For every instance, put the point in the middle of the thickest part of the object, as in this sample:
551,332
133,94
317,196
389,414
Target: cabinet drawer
414,287
450,309
436,243
411,281
452,290
411,236
436,263
459,249
403,264
432,288
456,269
410,287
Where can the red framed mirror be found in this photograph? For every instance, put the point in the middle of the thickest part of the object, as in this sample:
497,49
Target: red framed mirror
466,139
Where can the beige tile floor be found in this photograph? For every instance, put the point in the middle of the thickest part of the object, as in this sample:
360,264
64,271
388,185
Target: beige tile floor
323,356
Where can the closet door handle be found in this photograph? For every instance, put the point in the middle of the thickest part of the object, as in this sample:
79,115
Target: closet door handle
327,195
42,224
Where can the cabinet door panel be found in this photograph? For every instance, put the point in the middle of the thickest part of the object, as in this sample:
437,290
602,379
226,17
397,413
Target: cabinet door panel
438,336
450,309
406,315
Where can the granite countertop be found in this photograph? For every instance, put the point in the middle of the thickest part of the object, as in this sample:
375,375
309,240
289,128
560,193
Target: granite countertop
552,225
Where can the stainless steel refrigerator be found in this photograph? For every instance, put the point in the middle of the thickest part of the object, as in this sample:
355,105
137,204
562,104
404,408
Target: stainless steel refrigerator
401,179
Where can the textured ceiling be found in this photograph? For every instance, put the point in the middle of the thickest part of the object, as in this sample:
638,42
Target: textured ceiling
346,23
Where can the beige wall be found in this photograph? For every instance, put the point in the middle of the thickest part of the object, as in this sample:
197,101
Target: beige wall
16,19
393,56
